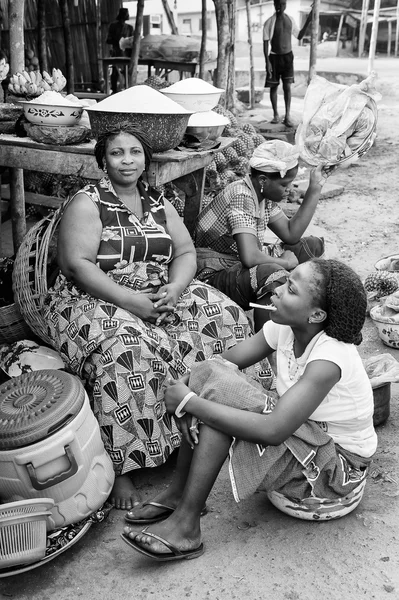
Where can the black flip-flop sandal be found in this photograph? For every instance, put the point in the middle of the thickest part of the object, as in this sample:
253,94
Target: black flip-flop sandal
175,553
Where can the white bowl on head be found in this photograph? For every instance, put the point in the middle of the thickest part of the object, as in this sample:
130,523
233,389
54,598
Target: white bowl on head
52,115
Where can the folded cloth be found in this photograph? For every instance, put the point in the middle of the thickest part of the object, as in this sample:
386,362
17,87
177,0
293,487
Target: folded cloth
307,464
274,156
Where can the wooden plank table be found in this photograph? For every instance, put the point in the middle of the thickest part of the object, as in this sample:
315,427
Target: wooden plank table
185,168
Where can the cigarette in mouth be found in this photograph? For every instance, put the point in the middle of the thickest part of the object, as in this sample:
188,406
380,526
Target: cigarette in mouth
264,306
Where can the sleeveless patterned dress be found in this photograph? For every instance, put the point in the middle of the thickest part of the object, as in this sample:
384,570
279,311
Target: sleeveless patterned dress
124,361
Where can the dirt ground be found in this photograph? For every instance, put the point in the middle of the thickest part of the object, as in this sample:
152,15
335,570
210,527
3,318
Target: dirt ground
253,551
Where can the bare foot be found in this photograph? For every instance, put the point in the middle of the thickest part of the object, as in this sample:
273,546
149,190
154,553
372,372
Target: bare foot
148,511
276,119
124,495
287,122
168,530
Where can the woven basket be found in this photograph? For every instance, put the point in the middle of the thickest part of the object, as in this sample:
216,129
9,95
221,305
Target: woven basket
31,271
13,327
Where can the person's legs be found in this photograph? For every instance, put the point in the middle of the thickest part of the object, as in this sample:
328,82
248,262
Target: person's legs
287,102
182,528
114,80
274,103
171,495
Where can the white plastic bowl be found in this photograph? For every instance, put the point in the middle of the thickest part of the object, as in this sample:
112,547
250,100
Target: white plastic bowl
387,326
52,115
194,102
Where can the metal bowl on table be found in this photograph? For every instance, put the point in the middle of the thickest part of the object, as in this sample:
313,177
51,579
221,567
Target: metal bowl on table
163,120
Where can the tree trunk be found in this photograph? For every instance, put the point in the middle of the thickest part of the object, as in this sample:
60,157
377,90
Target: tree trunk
66,25
134,60
314,39
41,25
231,68
16,9
203,40
170,17
222,25
251,58
17,42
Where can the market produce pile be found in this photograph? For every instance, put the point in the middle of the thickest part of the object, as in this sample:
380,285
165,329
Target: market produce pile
33,83
232,162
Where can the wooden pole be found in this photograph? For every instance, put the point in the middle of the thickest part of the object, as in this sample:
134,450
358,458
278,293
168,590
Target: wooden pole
42,36
231,71
17,64
203,39
314,39
374,33
389,43
134,59
251,57
66,25
363,26
341,23
170,17
397,30
100,73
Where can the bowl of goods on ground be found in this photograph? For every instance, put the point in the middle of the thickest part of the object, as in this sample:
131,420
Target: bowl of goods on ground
206,125
52,109
194,94
163,120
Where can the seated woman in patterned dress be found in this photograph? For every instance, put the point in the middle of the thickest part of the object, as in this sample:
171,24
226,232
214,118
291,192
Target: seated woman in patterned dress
125,313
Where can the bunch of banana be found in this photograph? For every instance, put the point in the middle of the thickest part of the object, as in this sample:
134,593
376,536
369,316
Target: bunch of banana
59,81
34,83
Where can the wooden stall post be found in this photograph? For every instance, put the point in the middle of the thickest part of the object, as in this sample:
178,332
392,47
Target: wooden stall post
17,62
341,23
314,39
134,60
42,35
374,33
397,30
66,24
231,69
363,26
251,57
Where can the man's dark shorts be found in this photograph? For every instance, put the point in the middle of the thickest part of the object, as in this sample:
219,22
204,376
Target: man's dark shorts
282,68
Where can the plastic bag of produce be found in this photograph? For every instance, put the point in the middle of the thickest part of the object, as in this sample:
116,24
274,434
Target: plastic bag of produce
381,369
336,120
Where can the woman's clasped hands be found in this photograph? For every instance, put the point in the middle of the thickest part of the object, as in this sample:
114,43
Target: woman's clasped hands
187,424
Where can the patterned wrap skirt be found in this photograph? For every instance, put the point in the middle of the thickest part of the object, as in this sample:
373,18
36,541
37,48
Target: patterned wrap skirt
125,362
308,465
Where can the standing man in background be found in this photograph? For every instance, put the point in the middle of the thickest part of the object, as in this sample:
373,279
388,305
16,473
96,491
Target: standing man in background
277,48
118,29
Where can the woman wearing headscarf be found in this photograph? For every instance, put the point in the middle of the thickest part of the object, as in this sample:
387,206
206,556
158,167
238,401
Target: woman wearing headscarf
230,232
125,313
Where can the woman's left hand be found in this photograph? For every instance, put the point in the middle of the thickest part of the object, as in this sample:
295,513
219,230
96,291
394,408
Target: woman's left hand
320,174
187,424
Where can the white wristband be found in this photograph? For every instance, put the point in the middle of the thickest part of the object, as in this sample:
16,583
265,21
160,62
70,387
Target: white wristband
179,410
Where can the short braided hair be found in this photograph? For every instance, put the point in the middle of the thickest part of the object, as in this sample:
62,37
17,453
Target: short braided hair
342,295
113,131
